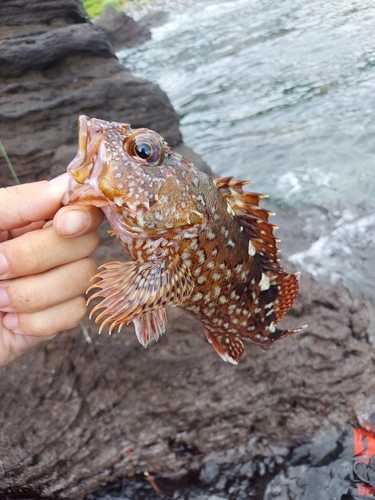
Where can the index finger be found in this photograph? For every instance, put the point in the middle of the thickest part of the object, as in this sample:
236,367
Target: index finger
20,205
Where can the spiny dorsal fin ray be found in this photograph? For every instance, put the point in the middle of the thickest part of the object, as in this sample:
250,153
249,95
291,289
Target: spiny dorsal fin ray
130,289
228,346
253,219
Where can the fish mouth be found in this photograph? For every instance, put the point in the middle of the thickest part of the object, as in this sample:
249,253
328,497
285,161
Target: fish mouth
83,170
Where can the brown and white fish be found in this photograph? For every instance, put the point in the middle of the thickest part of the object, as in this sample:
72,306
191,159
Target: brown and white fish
201,244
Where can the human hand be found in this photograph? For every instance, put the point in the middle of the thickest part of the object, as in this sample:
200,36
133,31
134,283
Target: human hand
44,264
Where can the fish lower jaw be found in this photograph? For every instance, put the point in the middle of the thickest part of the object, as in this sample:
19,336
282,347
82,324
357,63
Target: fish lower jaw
83,194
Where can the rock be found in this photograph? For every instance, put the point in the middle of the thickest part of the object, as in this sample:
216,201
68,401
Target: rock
55,65
154,18
70,414
76,414
121,30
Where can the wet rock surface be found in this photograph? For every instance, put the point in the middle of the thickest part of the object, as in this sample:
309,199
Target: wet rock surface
77,415
55,65
121,30
84,410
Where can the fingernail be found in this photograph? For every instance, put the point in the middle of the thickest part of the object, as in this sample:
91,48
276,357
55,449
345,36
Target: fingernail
4,298
72,222
3,265
10,321
59,180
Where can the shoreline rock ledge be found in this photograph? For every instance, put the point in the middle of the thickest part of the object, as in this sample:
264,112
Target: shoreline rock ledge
54,65
70,410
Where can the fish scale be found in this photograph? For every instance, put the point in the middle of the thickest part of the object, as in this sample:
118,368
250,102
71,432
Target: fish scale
203,245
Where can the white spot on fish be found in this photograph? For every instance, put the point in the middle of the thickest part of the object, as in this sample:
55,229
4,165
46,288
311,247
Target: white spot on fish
252,249
264,282
225,232
198,271
201,256
197,296
230,210
194,244
271,327
118,201
195,309
209,312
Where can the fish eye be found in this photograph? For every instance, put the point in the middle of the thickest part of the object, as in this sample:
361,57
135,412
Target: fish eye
145,147
143,151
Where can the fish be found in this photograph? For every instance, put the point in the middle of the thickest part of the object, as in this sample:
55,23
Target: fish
202,244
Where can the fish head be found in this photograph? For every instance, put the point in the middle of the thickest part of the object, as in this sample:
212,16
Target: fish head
135,177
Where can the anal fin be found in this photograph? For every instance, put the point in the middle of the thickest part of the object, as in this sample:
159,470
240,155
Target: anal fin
228,346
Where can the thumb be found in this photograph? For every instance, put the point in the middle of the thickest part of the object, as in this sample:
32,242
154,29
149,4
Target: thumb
76,220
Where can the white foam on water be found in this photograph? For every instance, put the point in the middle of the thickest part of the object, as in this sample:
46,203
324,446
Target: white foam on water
345,254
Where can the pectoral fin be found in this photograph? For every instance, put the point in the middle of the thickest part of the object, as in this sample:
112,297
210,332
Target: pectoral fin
131,289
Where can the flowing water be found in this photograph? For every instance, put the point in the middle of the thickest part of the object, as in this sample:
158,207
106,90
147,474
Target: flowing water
282,93
279,92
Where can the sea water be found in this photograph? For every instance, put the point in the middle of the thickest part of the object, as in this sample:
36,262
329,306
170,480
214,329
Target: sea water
279,92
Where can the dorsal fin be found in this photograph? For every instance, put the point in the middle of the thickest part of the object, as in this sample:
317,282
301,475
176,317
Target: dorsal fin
253,219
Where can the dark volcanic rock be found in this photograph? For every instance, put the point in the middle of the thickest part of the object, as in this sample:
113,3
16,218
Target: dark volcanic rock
55,65
122,31
71,415
82,410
